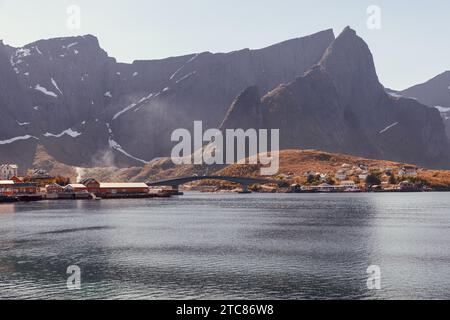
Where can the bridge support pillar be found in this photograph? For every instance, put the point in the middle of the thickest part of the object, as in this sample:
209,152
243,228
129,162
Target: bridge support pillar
176,190
245,189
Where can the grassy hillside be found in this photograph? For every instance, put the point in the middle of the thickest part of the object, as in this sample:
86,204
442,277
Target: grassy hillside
293,165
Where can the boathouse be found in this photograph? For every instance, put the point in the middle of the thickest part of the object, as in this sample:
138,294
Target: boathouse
104,189
75,188
123,188
53,188
6,187
25,188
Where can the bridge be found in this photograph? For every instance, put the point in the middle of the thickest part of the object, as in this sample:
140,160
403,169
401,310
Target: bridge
243,181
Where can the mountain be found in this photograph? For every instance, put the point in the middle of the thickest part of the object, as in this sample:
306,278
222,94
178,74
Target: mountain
67,96
340,106
434,93
87,109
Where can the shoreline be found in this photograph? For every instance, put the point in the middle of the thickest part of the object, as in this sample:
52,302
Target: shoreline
90,197
73,196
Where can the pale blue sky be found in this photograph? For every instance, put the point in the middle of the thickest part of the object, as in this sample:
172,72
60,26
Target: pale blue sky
411,47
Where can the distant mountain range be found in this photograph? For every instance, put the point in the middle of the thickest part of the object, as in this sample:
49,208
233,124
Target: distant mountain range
88,110
433,93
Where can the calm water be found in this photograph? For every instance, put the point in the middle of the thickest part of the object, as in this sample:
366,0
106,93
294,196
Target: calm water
227,246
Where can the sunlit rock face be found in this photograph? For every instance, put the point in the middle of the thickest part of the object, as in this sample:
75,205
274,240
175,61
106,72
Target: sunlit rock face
339,105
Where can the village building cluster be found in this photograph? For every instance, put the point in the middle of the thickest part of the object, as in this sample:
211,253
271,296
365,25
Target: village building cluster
37,184
361,178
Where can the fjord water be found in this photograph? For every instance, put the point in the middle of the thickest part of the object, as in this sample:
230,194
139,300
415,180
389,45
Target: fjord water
224,246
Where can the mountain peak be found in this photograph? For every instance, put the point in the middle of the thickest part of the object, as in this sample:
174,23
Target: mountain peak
348,30
346,45
350,64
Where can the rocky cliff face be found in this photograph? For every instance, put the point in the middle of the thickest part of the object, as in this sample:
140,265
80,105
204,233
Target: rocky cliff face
68,95
245,111
204,86
340,106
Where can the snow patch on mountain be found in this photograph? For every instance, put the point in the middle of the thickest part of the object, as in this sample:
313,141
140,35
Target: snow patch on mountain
23,52
23,123
56,85
9,141
69,132
388,127
118,114
42,89
186,76
442,109
184,65
71,45
117,147
395,94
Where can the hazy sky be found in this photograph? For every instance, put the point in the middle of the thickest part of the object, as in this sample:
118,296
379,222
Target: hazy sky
411,46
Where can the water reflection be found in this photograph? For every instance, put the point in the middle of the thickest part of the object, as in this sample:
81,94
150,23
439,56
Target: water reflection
228,246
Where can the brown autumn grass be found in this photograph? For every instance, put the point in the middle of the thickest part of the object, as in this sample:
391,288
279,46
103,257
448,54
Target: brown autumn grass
292,162
296,162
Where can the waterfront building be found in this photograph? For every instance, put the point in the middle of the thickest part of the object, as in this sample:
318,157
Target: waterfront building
75,188
123,188
16,179
40,177
6,187
7,171
9,188
53,188
25,188
103,189
407,186
325,187
348,185
92,185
